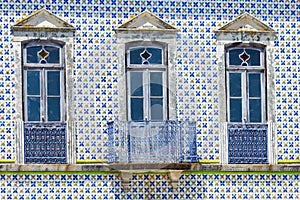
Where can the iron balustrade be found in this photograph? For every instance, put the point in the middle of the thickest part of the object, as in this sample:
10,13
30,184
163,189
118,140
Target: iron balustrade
247,143
152,142
45,143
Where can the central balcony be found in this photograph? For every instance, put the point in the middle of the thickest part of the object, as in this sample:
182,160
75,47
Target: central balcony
152,142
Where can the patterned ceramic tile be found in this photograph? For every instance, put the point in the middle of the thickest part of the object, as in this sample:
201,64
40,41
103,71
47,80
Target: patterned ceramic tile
96,66
150,186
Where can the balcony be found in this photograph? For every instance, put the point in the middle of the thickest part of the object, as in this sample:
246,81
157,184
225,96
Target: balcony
152,142
45,143
247,143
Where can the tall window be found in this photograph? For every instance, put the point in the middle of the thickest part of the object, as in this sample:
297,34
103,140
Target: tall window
43,103
43,83
246,84
146,79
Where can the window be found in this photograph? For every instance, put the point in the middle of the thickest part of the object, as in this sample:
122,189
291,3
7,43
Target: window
43,52
146,79
43,84
245,50
245,84
247,131
44,102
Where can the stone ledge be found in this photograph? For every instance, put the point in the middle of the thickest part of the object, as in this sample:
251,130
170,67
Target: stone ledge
148,167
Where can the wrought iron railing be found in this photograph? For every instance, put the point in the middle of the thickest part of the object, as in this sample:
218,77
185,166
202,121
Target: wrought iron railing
152,142
247,143
45,143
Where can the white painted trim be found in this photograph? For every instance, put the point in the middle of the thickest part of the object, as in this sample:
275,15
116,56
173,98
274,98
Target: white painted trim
144,38
224,40
67,53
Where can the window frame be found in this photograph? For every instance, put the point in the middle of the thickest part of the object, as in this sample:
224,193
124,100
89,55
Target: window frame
146,94
43,43
244,71
146,70
44,96
43,69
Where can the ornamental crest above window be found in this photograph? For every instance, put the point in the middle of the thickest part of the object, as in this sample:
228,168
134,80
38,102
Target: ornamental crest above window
145,21
42,23
245,28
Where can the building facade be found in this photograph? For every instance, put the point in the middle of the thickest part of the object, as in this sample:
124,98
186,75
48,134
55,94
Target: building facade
149,99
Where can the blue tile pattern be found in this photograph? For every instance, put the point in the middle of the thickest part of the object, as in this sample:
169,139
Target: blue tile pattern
149,186
96,66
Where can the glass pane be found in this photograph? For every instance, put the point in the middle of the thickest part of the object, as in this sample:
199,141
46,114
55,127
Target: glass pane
156,88
235,110
32,56
234,58
255,110
157,109
135,56
53,83
33,108
235,85
53,54
254,85
53,108
156,57
252,54
33,83
254,57
136,83
137,109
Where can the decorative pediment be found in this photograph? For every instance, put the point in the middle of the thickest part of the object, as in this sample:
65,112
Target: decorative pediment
246,27
145,21
246,22
42,21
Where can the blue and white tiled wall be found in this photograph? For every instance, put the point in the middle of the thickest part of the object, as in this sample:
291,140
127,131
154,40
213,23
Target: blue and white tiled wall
96,97
96,66
149,186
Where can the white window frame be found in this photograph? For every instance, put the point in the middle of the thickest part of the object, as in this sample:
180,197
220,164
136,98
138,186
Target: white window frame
269,93
146,93
43,95
244,71
146,69
43,43
134,37
43,69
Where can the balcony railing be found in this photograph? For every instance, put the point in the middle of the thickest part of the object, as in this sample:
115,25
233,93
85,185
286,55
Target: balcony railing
151,142
45,143
247,143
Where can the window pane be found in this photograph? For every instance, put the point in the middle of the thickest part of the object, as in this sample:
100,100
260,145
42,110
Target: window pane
53,108
254,57
53,83
136,83
235,110
53,54
146,56
235,85
254,85
135,56
156,88
137,109
157,109
33,83
32,56
156,55
33,108
234,58
255,110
